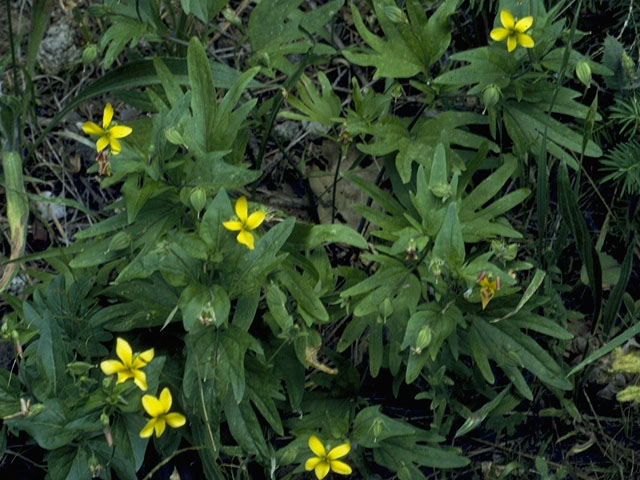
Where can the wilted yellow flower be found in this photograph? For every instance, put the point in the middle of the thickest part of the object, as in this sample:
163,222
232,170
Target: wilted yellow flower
130,364
487,288
158,409
108,134
513,32
244,223
323,461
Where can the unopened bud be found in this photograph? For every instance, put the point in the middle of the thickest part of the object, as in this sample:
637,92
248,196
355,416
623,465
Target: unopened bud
491,95
198,199
104,420
173,136
378,425
583,72
120,241
89,54
386,308
424,338
394,14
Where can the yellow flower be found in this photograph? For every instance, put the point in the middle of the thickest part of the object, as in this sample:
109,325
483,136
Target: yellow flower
512,31
323,461
129,366
244,223
158,409
487,288
108,133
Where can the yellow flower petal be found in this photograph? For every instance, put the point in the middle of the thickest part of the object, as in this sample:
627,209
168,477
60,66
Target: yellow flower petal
140,379
160,426
123,351
311,463
143,358
152,406
110,367
246,239
523,24
525,40
175,420
147,430
506,19
316,446
511,43
107,115
321,470
91,128
120,131
115,146
339,451
102,143
340,468
124,375
165,399
242,210
499,34
233,225
254,220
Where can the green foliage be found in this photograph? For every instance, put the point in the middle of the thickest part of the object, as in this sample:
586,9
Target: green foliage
264,343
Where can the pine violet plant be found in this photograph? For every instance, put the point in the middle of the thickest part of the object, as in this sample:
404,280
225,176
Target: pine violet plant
197,318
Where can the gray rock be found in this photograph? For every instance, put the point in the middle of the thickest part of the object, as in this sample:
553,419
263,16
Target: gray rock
57,50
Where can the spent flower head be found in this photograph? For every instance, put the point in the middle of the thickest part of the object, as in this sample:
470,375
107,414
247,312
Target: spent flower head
158,409
129,365
323,461
107,134
488,288
512,31
244,223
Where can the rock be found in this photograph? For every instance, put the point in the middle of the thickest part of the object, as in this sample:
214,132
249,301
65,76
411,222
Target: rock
57,50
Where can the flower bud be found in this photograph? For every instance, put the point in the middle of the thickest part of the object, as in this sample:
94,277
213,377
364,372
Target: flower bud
89,54
583,72
394,14
35,409
378,425
198,199
173,136
104,420
441,190
79,368
491,95
386,308
120,241
424,338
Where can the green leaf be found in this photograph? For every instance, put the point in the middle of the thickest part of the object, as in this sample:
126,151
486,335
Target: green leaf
615,299
17,212
476,418
334,233
449,245
203,10
371,427
394,58
254,265
203,94
69,463
307,299
572,215
244,427
533,286
126,435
